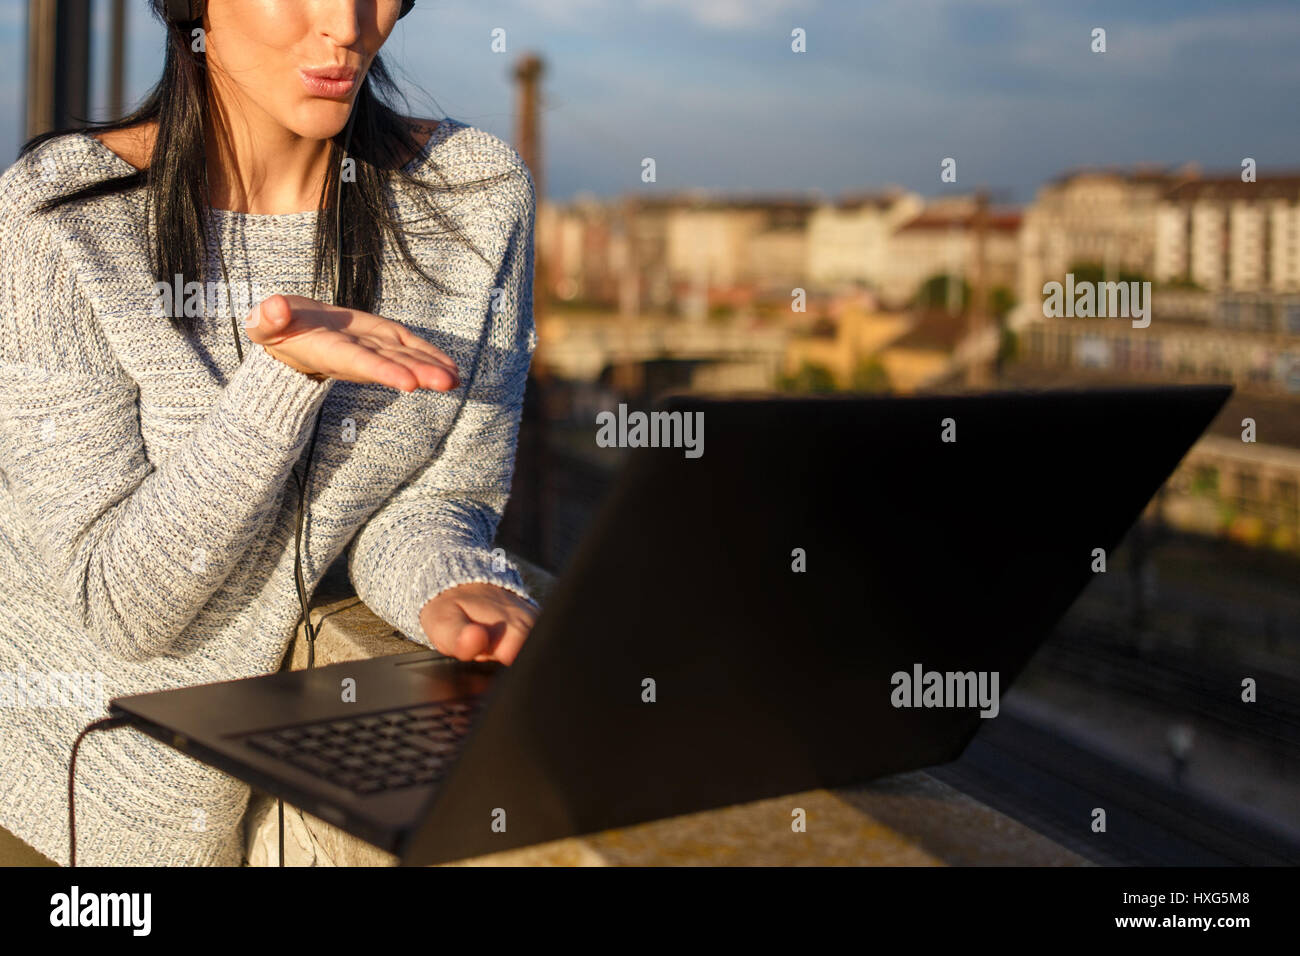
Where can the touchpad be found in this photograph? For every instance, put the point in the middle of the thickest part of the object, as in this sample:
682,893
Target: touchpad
454,678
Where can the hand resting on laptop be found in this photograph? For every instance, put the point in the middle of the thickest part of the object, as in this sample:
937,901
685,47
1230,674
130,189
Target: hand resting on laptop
478,622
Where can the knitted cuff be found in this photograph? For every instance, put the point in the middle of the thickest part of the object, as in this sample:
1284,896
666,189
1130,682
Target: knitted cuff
275,400
448,568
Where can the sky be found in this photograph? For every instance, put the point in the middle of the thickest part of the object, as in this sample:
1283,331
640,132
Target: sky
886,90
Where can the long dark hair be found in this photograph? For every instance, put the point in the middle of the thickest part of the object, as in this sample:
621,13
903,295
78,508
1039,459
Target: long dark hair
175,180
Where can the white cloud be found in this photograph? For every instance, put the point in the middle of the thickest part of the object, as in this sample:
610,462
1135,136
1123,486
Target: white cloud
716,14
730,14
564,11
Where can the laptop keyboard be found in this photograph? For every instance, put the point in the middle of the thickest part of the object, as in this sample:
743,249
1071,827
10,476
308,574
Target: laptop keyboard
376,752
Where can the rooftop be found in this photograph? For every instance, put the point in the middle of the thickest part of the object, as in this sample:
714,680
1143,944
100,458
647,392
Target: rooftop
935,330
1280,186
998,220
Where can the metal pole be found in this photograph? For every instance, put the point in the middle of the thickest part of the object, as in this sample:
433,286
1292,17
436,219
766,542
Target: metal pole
58,64
38,114
72,63
532,455
117,61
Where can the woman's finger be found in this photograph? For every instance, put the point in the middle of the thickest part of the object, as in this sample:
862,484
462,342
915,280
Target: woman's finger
269,319
413,341
430,375
511,620
507,647
356,363
454,633
473,641
393,334
427,354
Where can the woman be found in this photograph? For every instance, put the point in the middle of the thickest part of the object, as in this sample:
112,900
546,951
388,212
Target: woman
148,523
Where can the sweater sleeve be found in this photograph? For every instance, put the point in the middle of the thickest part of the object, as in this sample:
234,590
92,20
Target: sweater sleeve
135,550
436,531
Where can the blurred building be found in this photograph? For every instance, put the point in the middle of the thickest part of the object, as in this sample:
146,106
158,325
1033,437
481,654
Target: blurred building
925,353
1222,233
1246,492
694,255
848,240
1102,216
724,245
1249,339
842,345
942,239
727,355
687,254
584,251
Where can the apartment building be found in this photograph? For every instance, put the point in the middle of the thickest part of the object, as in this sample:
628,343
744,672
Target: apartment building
1221,233
943,238
1102,216
848,240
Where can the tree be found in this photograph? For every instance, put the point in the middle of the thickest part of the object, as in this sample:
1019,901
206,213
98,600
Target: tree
934,292
1008,347
1001,301
811,377
869,375
1095,272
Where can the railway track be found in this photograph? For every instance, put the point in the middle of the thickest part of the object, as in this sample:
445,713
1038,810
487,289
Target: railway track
1181,681
1054,784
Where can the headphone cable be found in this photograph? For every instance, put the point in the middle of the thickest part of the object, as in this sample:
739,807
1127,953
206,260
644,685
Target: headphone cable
103,723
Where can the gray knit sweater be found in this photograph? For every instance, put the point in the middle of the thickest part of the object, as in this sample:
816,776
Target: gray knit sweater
146,499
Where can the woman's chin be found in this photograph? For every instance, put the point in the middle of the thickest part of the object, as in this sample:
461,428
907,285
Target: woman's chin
321,119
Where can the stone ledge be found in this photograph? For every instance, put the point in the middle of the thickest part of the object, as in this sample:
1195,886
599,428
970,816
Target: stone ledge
347,630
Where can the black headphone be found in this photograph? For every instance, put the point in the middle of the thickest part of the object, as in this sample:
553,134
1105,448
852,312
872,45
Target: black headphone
186,11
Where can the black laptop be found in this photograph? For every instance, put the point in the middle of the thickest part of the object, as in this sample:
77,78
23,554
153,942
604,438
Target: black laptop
762,619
